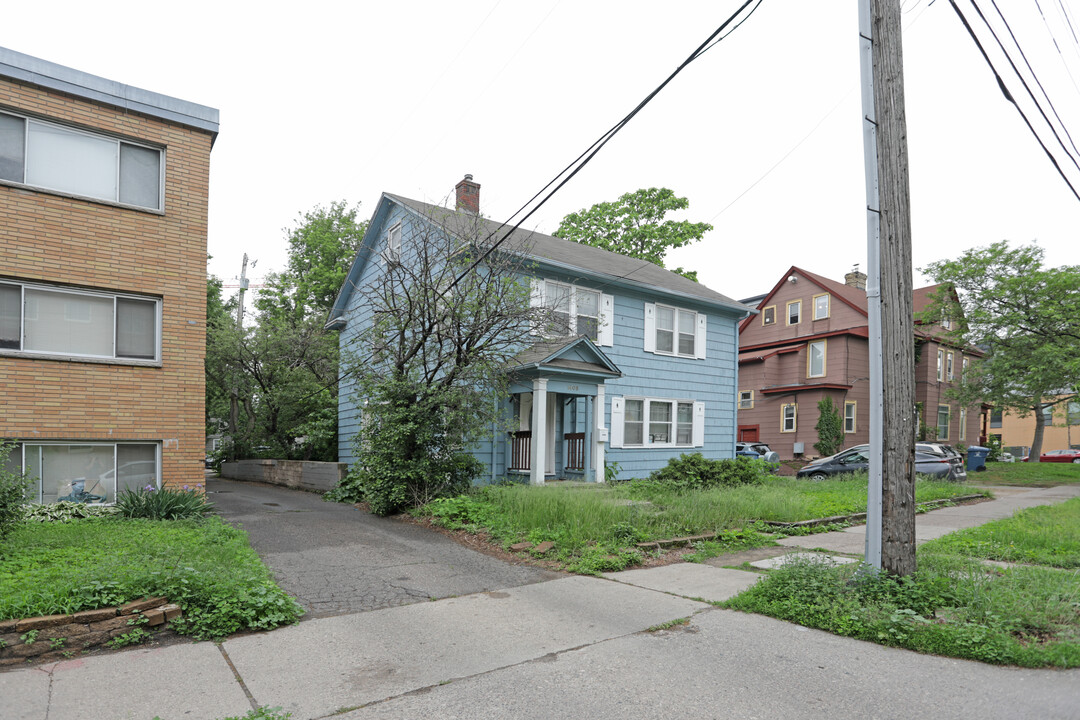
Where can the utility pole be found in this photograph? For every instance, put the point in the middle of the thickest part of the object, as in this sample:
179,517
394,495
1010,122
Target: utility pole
890,528
234,392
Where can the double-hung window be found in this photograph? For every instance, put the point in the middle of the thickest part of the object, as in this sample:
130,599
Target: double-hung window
940,365
746,399
768,315
943,422
849,417
574,310
65,160
657,422
78,323
949,366
963,425
393,243
794,310
674,331
788,414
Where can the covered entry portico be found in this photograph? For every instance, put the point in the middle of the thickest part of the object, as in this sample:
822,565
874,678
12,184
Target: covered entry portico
557,397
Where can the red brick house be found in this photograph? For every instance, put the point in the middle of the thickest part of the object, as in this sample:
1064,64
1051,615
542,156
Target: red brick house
103,195
809,341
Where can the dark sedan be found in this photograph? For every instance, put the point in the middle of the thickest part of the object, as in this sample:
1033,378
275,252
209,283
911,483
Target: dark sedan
1069,456
857,459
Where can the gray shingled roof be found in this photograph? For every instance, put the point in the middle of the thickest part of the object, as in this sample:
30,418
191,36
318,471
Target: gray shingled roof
571,255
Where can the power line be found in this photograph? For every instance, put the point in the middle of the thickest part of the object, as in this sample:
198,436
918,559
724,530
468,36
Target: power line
1010,98
582,160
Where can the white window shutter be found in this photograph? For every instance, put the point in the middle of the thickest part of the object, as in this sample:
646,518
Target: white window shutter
650,327
699,338
618,414
536,300
536,285
699,424
606,334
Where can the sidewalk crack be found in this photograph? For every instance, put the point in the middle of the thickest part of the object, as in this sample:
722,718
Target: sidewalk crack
236,674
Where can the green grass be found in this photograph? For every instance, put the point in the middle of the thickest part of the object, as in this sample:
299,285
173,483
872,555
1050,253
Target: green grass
1027,474
954,605
596,527
206,566
1045,535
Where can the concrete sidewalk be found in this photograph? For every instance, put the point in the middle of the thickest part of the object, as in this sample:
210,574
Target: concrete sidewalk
572,646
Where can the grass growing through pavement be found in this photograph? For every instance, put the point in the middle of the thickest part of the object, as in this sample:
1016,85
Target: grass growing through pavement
1027,474
954,605
205,566
595,527
1045,535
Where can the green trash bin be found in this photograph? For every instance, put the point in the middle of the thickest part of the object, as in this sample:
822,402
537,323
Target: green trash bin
976,459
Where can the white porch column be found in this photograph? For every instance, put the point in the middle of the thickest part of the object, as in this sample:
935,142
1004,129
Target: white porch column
538,446
600,436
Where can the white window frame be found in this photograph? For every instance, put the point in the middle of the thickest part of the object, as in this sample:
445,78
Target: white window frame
115,200
949,366
746,400
828,306
784,418
605,335
810,358
90,357
850,416
618,422
941,365
699,322
393,243
962,433
798,312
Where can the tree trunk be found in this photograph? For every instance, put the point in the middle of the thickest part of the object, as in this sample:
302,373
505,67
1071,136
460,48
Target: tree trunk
897,320
1037,441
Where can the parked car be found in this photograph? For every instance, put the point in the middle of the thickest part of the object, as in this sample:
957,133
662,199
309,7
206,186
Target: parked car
1006,457
763,451
941,450
856,459
1066,456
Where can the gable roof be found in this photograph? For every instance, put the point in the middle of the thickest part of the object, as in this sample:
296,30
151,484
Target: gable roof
551,253
565,354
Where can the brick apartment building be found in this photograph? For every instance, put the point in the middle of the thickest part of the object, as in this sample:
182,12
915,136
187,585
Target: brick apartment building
103,221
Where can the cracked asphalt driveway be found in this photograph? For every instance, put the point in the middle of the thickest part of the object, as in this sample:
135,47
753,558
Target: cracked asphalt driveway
335,559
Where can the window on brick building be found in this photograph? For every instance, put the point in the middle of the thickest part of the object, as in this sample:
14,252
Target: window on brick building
91,472
65,160
77,323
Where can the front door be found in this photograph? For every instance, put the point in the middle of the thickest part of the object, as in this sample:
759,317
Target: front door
749,433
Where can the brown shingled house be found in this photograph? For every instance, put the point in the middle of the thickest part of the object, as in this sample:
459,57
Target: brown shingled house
809,341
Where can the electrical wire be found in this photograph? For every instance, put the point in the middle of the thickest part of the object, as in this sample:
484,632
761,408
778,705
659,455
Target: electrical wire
1010,98
1057,47
1023,82
584,158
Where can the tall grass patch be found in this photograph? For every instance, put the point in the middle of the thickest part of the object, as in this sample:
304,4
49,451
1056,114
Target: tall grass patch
1028,474
206,566
1044,535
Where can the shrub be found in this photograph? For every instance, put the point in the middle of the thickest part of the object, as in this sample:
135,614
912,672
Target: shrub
830,429
164,504
693,471
13,487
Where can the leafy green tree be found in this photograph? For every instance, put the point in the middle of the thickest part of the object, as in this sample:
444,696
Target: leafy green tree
219,317
430,365
322,245
830,428
1025,315
634,225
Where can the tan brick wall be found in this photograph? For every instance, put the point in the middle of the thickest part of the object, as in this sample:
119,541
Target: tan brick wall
55,239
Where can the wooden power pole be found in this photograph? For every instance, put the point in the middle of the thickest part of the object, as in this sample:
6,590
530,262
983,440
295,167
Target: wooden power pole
890,294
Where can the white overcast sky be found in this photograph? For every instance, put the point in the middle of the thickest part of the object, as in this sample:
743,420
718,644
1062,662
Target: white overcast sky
323,100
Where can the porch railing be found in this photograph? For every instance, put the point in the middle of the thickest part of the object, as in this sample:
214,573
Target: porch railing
575,451
520,449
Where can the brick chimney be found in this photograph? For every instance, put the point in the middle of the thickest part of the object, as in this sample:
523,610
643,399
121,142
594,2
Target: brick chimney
468,195
856,279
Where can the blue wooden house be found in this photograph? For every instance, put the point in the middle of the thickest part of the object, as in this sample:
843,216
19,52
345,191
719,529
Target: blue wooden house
646,369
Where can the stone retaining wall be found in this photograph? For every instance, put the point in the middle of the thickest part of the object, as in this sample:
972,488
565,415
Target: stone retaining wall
57,637
297,474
